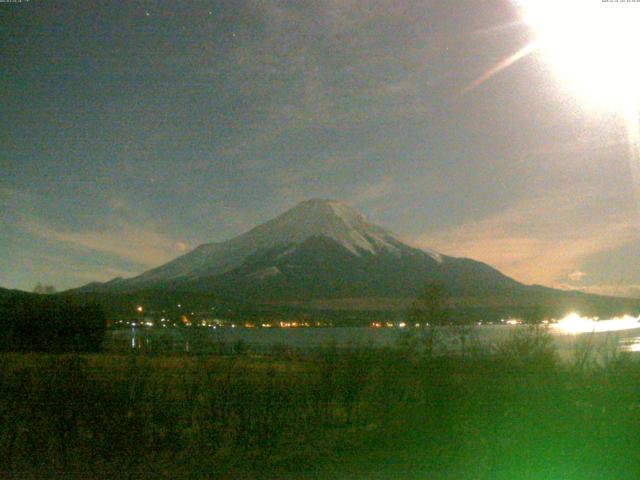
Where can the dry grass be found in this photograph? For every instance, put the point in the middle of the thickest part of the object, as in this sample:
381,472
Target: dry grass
352,413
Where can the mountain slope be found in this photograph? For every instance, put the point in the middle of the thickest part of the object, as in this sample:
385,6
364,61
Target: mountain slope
323,250
320,267
319,246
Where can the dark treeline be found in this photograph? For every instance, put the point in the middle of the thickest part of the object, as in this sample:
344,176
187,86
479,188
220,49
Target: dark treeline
544,303
42,323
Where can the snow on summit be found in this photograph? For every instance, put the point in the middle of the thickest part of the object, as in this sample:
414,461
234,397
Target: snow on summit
329,218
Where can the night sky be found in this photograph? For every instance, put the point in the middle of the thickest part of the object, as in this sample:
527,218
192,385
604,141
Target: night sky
131,132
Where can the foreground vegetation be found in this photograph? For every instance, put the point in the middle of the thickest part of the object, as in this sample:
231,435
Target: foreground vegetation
43,323
515,412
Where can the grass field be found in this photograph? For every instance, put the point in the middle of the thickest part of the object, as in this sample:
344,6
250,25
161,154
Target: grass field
512,413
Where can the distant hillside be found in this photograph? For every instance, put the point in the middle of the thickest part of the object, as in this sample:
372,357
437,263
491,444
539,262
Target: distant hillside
6,293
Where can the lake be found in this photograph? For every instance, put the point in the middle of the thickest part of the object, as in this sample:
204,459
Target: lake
204,340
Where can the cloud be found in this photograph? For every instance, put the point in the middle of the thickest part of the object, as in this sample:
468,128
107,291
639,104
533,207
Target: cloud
141,244
577,275
58,267
374,191
539,240
64,273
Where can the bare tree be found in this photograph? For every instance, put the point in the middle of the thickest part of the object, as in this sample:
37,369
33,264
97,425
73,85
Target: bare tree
44,289
431,311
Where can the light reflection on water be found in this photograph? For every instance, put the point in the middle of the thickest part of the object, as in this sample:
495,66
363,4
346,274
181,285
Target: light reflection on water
575,324
601,337
618,333
630,344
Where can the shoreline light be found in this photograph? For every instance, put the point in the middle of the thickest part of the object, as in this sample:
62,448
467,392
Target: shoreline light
574,324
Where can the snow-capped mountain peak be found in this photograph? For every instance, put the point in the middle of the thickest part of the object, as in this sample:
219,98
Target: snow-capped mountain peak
316,218
328,218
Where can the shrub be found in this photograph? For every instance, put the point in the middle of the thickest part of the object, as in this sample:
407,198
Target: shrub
51,324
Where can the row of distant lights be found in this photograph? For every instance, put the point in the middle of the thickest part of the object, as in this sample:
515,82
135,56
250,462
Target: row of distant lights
510,321
573,323
167,323
392,325
215,324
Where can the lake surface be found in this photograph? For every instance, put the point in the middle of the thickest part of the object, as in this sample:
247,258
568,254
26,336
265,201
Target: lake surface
226,340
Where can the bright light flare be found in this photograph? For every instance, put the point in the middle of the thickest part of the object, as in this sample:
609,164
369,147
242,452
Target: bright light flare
592,44
630,345
513,321
574,324
504,64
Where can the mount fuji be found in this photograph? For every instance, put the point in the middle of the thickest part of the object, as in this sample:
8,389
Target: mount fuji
323,252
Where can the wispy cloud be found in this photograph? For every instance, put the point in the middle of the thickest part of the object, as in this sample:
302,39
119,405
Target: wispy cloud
64,271
540,240
374,191
577,275
140,244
